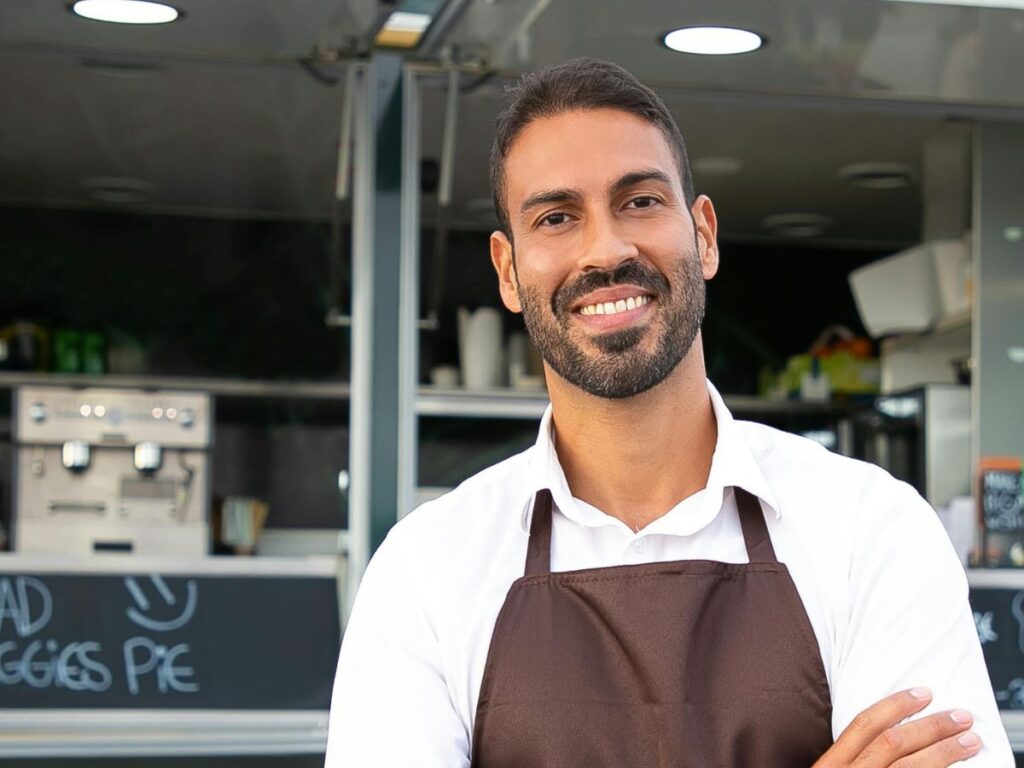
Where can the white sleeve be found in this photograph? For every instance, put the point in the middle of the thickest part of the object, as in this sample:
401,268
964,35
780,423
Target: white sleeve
391,707
910,622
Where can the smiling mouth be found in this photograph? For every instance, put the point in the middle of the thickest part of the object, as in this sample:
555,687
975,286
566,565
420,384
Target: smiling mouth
615,307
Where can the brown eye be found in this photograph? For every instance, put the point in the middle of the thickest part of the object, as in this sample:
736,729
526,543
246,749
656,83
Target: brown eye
643,202
554,219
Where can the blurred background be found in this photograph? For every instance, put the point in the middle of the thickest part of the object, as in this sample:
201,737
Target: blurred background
248,317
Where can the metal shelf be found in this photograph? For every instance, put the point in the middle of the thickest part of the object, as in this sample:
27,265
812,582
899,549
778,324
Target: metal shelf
430,401
160,733
240,388
996,578
211,565
484,403
1014,724
516,404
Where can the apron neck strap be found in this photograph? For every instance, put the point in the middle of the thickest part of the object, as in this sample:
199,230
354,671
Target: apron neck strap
755,530
538,551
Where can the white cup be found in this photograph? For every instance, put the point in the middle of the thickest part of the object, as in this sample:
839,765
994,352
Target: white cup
480,345
444,376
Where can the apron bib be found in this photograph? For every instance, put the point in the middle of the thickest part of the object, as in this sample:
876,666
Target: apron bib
688,664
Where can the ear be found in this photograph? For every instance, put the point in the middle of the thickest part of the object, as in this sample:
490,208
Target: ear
706,222
501,258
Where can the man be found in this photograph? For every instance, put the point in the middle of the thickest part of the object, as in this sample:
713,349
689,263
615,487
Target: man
653,583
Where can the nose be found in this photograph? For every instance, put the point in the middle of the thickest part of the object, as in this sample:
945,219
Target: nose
607,244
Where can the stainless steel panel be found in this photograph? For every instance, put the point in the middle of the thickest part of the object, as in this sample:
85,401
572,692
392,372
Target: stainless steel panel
947,436
107,469
879,50
51,415
998,264
409,304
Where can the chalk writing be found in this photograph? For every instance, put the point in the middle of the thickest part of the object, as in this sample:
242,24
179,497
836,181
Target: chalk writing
983,623
35,661
70,641
138,615
44,664
26,602
1012,697
1001,500
142,656
1017,607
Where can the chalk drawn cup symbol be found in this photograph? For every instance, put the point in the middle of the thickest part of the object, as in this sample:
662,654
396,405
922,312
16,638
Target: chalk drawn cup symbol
141,612
1017,607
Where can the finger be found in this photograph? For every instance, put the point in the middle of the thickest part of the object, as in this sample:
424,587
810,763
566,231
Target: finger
943,754
874,721
911,739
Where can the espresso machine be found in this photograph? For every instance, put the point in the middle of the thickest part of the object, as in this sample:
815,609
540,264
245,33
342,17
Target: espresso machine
111,470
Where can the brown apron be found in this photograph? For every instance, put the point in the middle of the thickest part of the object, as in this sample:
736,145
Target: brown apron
688,664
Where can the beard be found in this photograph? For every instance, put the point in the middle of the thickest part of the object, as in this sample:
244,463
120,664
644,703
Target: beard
621,367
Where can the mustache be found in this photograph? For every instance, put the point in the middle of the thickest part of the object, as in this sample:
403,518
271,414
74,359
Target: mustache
630,273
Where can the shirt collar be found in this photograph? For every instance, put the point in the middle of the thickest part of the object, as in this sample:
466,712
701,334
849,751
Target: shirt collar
733,464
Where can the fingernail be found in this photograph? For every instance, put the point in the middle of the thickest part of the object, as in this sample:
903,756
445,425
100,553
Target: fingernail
960,716
920,693
969,740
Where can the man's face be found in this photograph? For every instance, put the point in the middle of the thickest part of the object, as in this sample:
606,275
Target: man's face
608,264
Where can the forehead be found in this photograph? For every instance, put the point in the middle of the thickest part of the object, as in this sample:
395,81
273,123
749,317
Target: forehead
585,150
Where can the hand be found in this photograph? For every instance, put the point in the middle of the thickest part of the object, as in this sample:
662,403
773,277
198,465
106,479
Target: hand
877,737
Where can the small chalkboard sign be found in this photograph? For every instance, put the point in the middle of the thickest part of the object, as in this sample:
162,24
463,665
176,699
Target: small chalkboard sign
1001,499
155,641
999,619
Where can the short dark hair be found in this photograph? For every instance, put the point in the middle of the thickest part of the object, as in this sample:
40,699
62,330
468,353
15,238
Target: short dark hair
582,83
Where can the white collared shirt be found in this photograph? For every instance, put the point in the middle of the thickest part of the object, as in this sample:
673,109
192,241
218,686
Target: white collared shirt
881,584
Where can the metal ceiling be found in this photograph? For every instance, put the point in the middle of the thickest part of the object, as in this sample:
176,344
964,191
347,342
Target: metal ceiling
216,115
874,49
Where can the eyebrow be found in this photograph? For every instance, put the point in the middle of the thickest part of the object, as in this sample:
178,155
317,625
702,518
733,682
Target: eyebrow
549,196
638,177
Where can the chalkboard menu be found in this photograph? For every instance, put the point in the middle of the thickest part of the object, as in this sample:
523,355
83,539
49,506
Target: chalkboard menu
151,641
999,618
1001,498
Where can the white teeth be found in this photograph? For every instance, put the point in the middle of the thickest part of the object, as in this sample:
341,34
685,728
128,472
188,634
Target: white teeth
614,307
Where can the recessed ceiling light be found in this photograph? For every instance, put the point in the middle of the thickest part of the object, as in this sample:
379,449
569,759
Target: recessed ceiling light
717,166
403,29
878,175
713,41
126,11
796,224
972,3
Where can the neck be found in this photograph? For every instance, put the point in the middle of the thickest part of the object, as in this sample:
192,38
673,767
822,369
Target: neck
637,457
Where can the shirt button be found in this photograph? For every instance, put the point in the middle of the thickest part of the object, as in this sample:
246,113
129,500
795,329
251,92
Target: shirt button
639,545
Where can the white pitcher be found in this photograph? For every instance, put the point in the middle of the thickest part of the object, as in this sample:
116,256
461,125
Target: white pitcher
480,352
